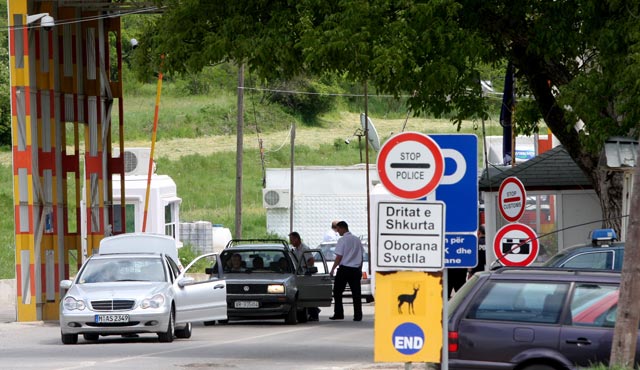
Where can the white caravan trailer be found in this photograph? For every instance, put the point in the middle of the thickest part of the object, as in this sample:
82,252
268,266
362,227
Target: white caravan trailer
321,194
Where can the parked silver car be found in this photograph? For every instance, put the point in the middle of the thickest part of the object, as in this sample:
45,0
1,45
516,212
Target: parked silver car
328,249
141,291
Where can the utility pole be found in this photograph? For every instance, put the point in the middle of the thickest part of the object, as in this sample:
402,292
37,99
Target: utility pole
293,160
239,152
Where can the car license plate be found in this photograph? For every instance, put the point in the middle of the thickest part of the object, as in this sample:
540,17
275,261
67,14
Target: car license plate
246,304
100,319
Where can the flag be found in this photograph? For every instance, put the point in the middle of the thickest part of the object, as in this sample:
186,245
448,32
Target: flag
506,115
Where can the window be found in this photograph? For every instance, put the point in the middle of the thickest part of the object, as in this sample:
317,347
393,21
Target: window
591,260
175,270
520,301
204,269
170,219
594,305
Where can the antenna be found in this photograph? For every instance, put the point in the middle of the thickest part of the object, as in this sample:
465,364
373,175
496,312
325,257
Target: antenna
372,136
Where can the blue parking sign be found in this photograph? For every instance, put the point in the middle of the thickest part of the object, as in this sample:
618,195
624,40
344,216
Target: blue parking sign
459,191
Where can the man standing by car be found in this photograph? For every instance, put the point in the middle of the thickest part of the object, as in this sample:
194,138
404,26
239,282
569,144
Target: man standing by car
298,249
349,263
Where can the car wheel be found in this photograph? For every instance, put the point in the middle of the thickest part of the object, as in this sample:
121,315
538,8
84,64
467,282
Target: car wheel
292,315
167,336
69,338
368,299
223,322
539,367
210,323
91,336
185,332
303,315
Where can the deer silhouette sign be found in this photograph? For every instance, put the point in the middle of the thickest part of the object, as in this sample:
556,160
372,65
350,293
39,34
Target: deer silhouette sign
408,298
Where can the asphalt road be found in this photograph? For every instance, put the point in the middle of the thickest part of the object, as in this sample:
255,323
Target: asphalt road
239,345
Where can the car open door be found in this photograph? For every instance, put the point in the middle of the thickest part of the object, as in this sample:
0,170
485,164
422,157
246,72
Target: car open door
201,291
314,282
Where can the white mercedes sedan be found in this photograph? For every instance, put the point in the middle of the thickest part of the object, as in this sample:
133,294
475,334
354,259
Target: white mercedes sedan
134,285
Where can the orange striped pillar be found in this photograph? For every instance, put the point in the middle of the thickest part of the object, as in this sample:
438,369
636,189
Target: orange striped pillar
23,161
59,80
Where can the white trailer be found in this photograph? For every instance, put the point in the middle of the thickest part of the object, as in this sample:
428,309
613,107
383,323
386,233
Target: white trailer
163,214
321,194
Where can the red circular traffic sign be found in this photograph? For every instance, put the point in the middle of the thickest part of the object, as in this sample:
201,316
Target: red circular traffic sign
512,199
516,245
410,165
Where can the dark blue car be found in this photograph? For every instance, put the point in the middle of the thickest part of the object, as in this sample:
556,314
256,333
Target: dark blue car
603,253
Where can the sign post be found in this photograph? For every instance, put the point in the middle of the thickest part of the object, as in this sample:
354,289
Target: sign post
516,245
409,304
410,236
512,199
410,165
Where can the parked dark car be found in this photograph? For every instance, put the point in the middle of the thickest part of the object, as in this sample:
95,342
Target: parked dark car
533,319
266,281
603,253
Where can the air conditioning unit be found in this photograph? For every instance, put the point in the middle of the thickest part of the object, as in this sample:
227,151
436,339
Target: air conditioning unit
275,198
136,161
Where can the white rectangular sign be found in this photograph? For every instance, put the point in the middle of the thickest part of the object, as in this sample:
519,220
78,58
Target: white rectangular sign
410,236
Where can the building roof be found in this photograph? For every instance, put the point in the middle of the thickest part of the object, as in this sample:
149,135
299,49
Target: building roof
551,170
620,153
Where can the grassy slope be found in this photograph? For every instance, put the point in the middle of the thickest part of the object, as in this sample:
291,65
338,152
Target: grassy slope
196,147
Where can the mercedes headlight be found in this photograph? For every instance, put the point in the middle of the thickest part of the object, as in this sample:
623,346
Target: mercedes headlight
71,304
153,302
279,288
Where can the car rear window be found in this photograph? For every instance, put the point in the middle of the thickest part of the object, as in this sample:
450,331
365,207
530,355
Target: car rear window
531,302
258,260
602,259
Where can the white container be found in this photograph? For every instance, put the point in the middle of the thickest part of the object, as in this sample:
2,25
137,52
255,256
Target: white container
221,236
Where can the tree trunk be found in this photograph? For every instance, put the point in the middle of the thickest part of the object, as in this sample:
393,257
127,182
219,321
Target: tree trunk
625,334
608,187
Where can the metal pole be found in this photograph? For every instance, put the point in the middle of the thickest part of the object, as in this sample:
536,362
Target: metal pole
366,145
239,152
293,139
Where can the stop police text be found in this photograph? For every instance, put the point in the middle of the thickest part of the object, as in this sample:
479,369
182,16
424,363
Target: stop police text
410,175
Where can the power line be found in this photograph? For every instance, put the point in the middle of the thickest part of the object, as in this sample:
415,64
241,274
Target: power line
85,19
497,94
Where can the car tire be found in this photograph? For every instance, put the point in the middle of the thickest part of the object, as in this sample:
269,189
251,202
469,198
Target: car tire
223,322
185,332
539,367
91,337
303,315
292,316
210,323
69,338
167,336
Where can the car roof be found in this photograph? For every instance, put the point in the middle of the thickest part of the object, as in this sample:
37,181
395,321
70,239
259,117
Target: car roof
126,255
139,243
588,247
553,274
249,244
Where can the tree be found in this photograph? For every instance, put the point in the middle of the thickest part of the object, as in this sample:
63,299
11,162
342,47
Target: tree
579,59
5,98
